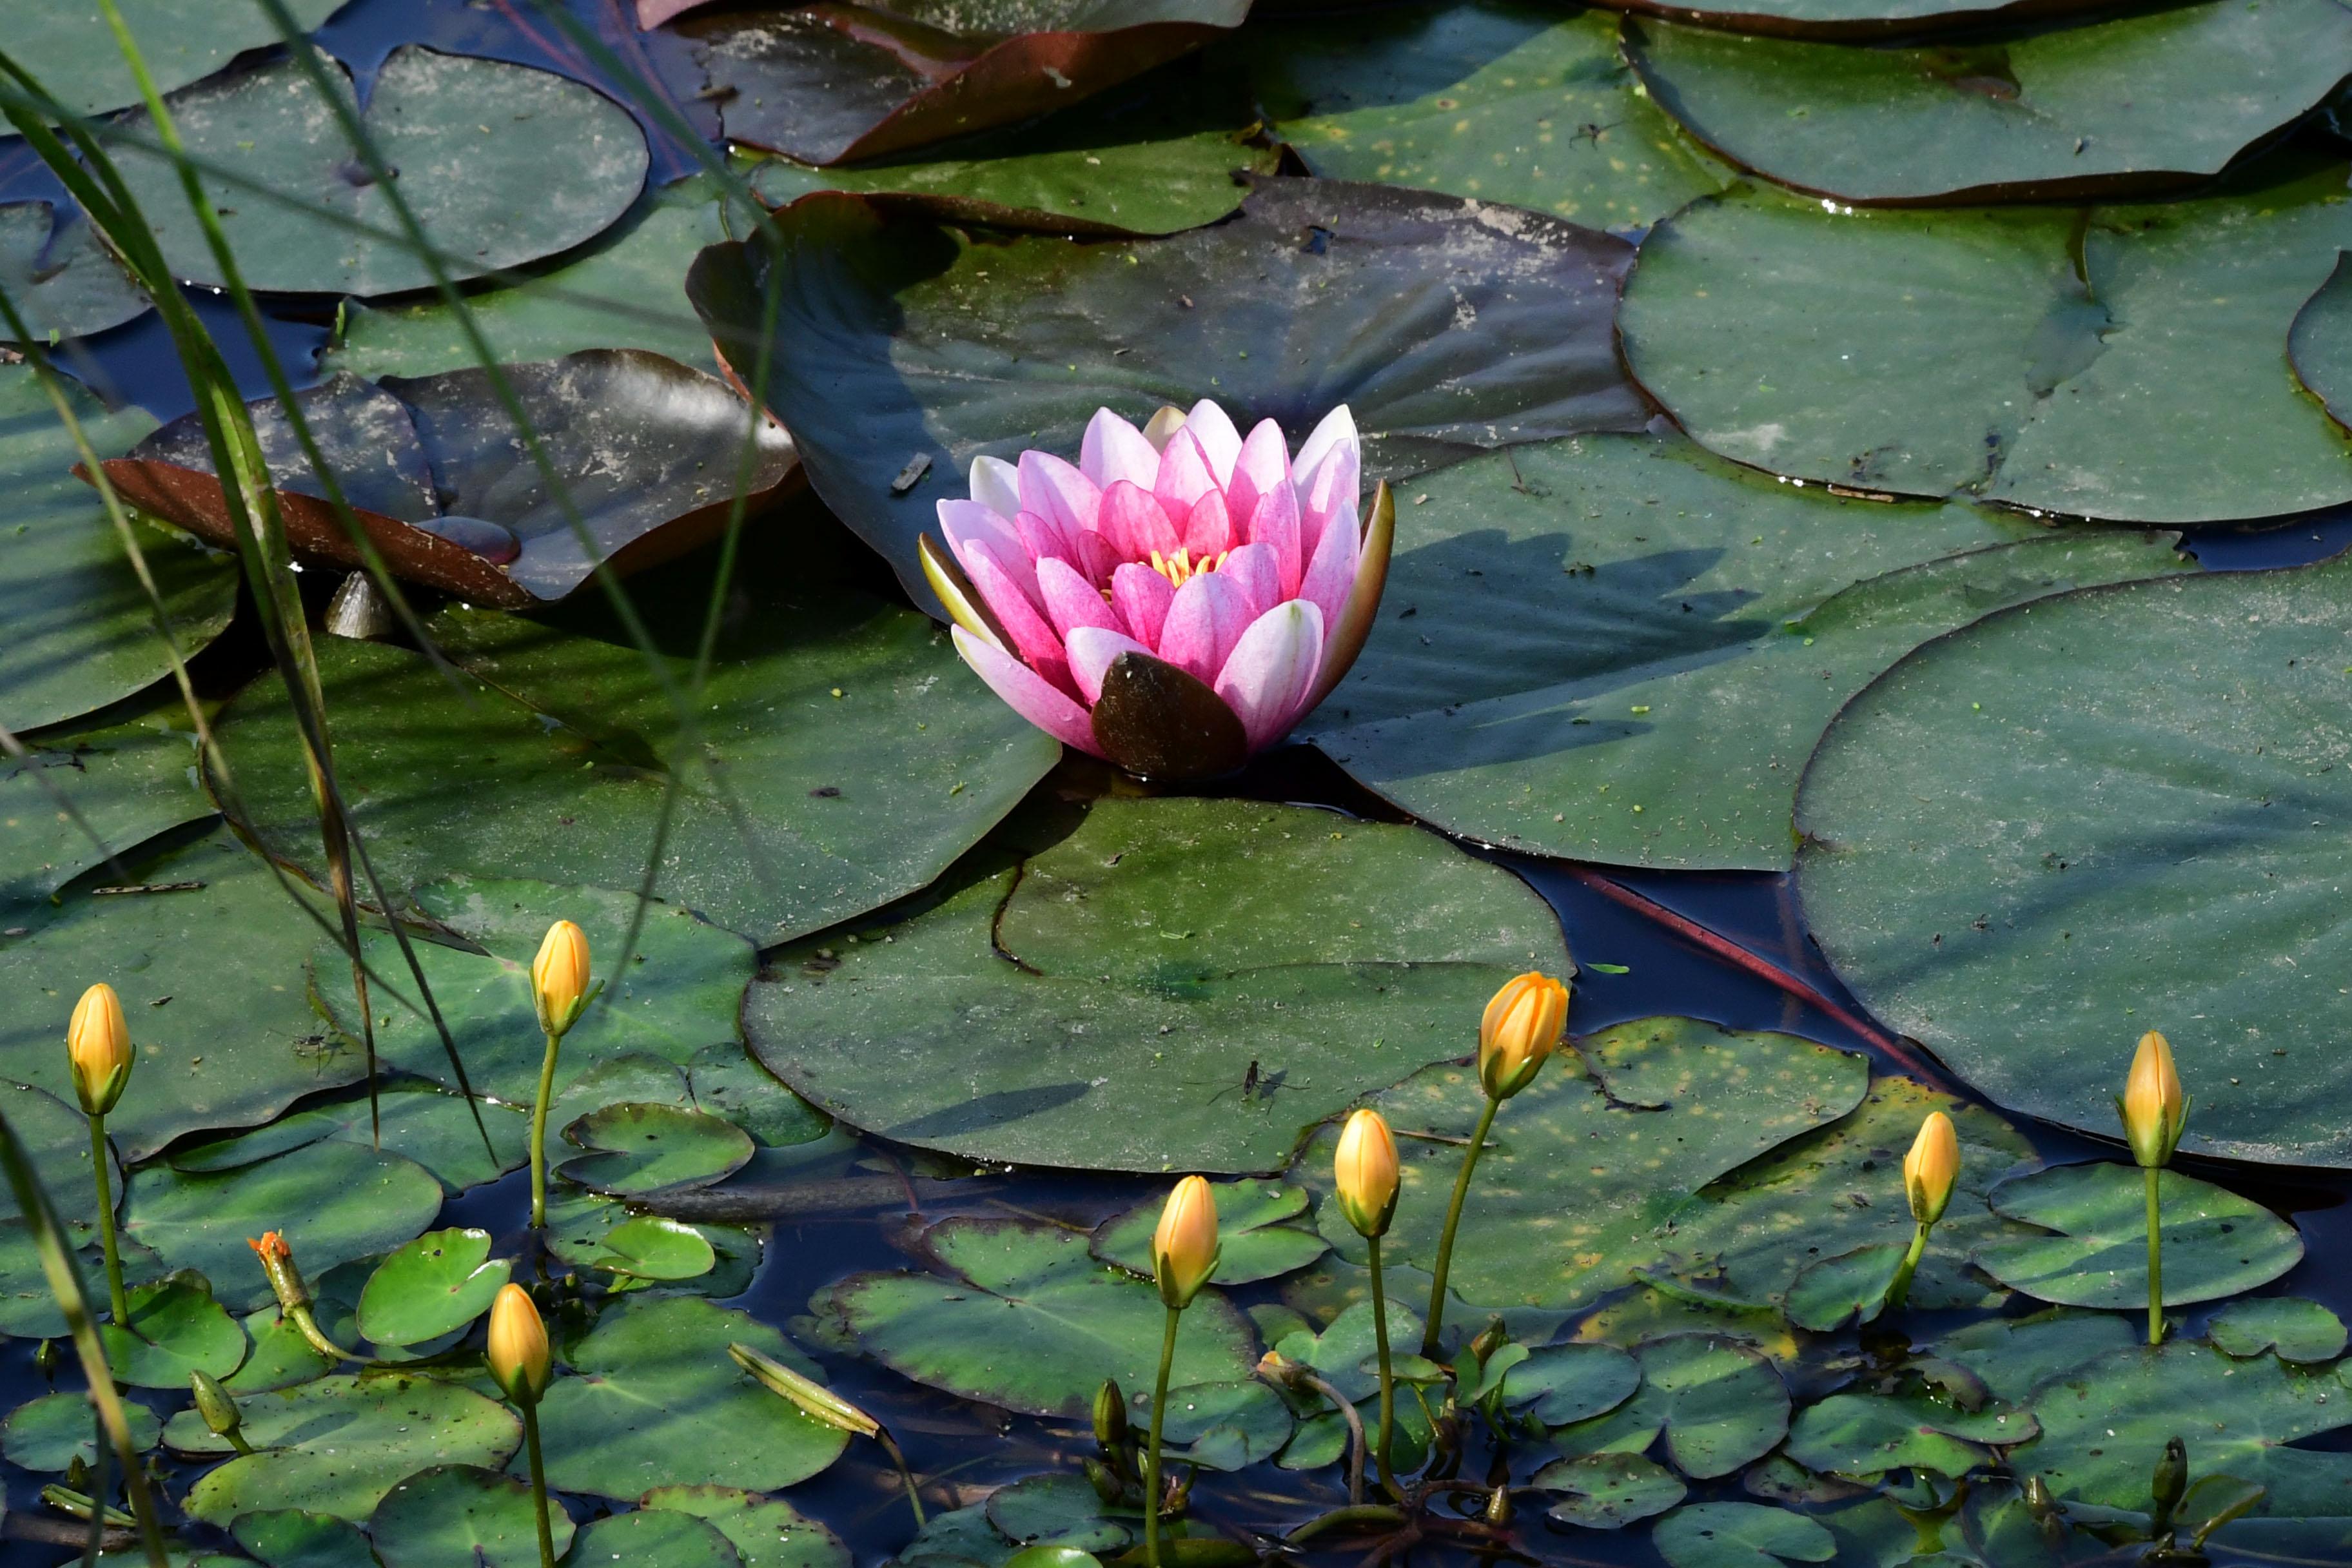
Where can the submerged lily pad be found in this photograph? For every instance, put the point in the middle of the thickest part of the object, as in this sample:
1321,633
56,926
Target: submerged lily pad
565,163
52,1431
636,1149
1740,1535
75,58
1608,1492
1445,326
2023,850
2216,1243
433,1286
1255,1239
1099,1004
57,274
462,1513
2299,1330
646,451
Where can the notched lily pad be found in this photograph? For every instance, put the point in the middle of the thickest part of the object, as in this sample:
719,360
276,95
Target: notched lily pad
651,1247
434,1285
2299,1330
54,271
1720,1403
183,41
1608,1492
2216,1243
1870,1434
635,1150
176,1328
1559,1384
1254,1231
50,1432
768,1531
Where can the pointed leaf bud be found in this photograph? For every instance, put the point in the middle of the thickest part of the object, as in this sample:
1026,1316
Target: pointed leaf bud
518,1353
2171,1482
99,1042
1110,1416
1184,1248
1931,1168
1522,1026
2153,1109
558,977
284,1279
213,1404
1365,1167
815,1399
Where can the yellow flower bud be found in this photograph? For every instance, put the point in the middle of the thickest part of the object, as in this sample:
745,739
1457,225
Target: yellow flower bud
1185,1248
1931,1168
1522,1026
558,977
99,1042
2154,1109
518,1350
1365,1167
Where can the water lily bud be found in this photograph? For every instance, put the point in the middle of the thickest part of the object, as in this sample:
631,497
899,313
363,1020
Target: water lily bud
2172,1481
99,1042
1498,1507
214,1403
1522,1026
284,1279
1931,1168
558,977
1491,1338
1110,1416
1184,1248
518,1353
815,1399
2153,1110
1365,1168
1107,1487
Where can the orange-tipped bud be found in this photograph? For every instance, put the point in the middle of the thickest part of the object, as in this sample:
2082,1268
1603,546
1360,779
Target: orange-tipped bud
1365,1168
1522,1026
1185,1248
2154,1109
518,1350
1931,1168
278,1262
99,1044
558,977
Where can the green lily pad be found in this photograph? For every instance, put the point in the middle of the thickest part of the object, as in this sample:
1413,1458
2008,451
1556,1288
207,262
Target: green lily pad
1585,1164
333,1201
957,1538
651,1247
1739,1535
2023,852
55,1136
1255,1240
338,1445
462,1513
1857,19
54,271
1830,1292
2064,112
1150,945
632,1078
1869,1433
2300,1331
81,630
182,41
728,1080
568,164
1559,1384
1059,1508
635,1150
652,1538
1345,1355
1623,649
1495,99
1959,351
52,1431
1029,1321
127,782
426,1123
1221,1425
280,1358
939,347
1608,1492
768,1532
580,1228
2320,346
2216,1243
1719,1401
27,1310
176,1328
2015,1356
433,1286
289,1538
652,1400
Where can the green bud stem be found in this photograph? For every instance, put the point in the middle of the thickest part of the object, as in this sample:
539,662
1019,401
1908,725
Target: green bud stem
906,1476
538,1482
1151,1449
308,1327
1899,1290
1387,1377
1436,1318
2154,1259
539,1133
116,1299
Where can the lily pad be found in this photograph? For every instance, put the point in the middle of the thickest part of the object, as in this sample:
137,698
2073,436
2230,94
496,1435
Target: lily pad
1585,1164
1029,1321
565,162
1559,1384
2216,1243
1739,1535
462,1513
128,783
652,1400
1854,19
52,1431
646,452
2022,851
582,1230
653,1538
2300,1331
338,1445
281,1357
2052,112
1255,1239
55,1136
176,1328
54,271
1720,1403
1098,1004
426,1123
1829,1293
651,1247
726,1080
289,1538
1869,1433
768,1532
1059,1508
1496,100
2320,346
1345,1355
1221,1425
1445,326
635,1150
28,1309
1608,1492
2015,1356
1961,351
433,1286
182,41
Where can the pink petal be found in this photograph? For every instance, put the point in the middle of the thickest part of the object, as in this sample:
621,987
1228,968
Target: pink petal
1010,567
1184,477
1091,650
1097,558
1057,493
1114,450
1332,574
1205,618
1263,467
1209,531
1272,668
1027,693
1276,523
1071,600
965,521
1140,595
1220,442
1335,432
1255,573
1135,523
1033,640
1328,476
995,485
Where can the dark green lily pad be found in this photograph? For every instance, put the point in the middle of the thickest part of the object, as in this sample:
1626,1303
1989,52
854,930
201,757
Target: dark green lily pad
1854,20
182,41
1608,1492
957,1538
652,1400
337,1446
2053,112
1720,1403
28,1308
281,1357
580,1228
81,631
2022,851
462,1513
54,271
289,1538
560,165
635,1150
1562,1384
1623,649
1586,1163
2320,346
2299,1330
653,1538
1060,1509
1345,1355
1830,1292
1254,1232
1869,1433
726,1079
2014,1356
633,1077
55,1136
176,1328
1498,101
653,1248
52,1431
1959,351
768,1532
1445,326
2216,1243
433,1286
1099,1004
1739,1535
426,1123
128,782
1221,1425
1029,1321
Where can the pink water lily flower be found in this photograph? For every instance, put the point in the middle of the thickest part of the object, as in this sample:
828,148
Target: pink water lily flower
1176,600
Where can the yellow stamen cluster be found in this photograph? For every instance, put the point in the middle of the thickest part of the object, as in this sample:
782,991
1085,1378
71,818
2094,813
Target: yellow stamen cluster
1180,567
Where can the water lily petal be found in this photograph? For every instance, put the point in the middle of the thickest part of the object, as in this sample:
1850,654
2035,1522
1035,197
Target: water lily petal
1276,523
1091,650
1255,573
1135,523
1220,442
1333,571
1058,492
1037,643
1114,450
1272,668
1027,693
1204,620
1071,600
1335,432
962,522
1263,467
1328,478
1097,558
996,485
1042,539
1209,530
1141,596
1184,477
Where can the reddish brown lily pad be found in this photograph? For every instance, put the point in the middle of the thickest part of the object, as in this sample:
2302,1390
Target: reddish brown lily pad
433,466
